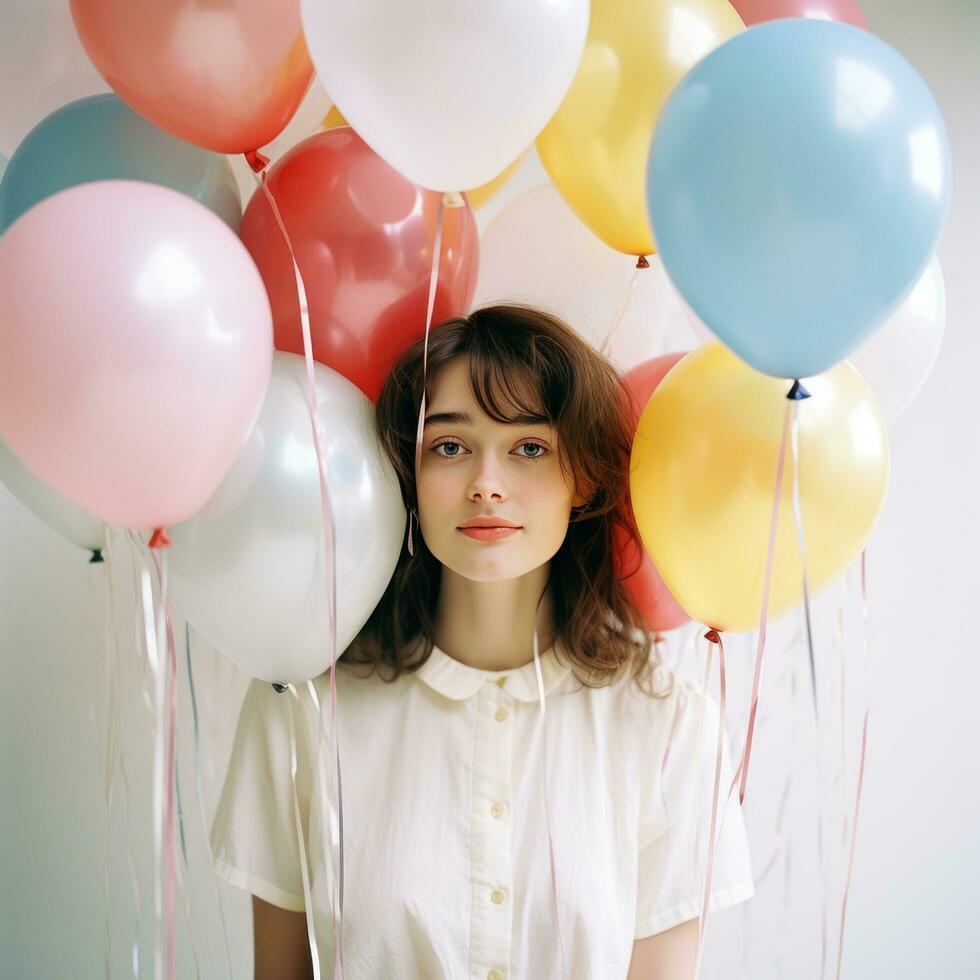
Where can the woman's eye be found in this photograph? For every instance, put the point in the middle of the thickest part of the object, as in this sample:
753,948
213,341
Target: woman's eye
538,450
452,449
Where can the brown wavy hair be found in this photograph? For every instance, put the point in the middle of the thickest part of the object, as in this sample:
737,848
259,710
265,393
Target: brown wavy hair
522,360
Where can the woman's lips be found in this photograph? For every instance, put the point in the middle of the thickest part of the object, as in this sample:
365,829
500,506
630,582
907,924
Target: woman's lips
488,533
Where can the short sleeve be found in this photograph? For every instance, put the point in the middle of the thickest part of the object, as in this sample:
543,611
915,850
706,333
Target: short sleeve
674,840
253,836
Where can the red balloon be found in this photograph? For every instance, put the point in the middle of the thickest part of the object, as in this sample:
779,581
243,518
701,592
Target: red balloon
659,609
757,11
227,76
363,237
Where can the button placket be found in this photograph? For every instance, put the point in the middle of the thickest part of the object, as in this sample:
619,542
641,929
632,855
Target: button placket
491,925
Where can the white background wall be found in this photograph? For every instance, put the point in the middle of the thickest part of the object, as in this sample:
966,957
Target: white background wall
916,886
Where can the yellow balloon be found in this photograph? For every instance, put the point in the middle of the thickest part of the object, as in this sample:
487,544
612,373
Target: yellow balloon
478,196
703,478
595,147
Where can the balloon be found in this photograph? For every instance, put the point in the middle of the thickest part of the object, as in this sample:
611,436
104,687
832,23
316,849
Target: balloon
897,359
44,66
659,609
703,478
247,571
137,343
595,146
899,356
449,92
757,11
225,76
77,525
477,196
101,138
798,183
536,251
363,238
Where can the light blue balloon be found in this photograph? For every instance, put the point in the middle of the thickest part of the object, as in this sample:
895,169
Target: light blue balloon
797,185
101,138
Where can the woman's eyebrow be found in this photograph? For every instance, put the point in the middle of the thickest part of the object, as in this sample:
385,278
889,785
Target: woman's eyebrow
464,418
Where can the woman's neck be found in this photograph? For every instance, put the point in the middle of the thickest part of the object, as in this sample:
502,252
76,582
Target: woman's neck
489,625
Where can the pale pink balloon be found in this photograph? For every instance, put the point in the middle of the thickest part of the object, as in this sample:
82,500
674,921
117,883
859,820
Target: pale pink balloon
135,349
758,11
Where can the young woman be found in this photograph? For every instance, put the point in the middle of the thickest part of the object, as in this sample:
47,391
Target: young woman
460,748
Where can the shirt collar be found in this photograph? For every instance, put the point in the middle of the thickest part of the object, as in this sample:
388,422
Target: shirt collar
458,681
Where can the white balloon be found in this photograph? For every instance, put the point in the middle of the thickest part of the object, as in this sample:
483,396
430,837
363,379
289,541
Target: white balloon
448,92
537,252
75,523
899,356
247,571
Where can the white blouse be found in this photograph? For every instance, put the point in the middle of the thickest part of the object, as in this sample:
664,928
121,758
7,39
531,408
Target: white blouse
446,863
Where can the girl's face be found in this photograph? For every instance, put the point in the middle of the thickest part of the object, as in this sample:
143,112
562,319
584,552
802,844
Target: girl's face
476,468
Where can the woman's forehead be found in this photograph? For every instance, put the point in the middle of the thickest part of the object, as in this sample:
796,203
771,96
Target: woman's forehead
450,390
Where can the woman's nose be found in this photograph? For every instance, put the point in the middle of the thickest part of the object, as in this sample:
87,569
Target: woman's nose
487,485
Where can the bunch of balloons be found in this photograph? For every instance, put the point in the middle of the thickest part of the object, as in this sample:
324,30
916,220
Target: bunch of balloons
778,175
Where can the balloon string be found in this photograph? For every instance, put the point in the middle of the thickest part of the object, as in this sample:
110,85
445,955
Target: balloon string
151,627
258,164
111,680
742,772
624,304
170,696
429,312
200,794
547,803
301,838
797,394
864,749
714,637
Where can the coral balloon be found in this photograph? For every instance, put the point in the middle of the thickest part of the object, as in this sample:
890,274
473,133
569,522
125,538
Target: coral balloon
702,481
758,11
363,236
137,344
660,610
595,146
226,76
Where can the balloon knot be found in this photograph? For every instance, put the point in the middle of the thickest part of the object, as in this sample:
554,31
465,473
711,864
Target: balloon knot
279,688
797,393
641,262
160,539
453,199
712,636
96,558
257,161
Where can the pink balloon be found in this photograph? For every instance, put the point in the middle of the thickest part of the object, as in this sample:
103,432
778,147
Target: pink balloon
136,349
757,11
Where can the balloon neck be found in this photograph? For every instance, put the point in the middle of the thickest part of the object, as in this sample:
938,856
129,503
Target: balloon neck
257,161
797,393
96,558
453,199
641,262
712,636
279,688
160,539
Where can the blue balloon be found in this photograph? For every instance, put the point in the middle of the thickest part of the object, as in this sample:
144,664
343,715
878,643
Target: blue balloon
101,138
797,185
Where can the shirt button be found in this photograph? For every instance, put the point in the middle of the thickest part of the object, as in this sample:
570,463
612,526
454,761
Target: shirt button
497,896
498,809
501,714
495,975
